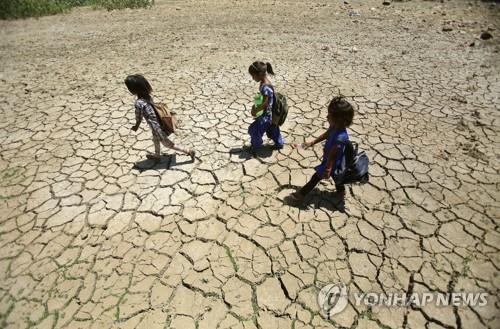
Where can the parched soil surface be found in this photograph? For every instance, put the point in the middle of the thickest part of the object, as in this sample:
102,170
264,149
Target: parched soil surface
94,235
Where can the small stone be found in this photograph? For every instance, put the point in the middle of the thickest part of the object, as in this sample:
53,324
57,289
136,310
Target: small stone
386,3
486,35
447,29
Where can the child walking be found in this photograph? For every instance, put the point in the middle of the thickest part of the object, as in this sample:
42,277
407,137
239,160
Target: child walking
340,116
144,107
263,112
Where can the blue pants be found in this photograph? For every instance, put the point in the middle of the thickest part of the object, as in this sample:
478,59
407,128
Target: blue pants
263,125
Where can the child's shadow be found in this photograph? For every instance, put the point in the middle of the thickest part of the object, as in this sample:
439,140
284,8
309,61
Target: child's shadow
318,198
166,161
246,153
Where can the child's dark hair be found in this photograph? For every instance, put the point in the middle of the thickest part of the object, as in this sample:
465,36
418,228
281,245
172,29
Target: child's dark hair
342,111
138,85
260,68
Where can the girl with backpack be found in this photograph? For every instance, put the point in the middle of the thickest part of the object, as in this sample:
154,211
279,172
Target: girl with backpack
340,116
263,112
144,107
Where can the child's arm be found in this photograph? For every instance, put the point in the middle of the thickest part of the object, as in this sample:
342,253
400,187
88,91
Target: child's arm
311,143
138,119
329,162
257,109
321,138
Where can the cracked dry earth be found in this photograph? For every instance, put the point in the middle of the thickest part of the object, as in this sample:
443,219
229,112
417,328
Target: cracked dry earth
92,235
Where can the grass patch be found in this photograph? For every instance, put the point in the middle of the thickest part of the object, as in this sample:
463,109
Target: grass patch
12,9
231,258
121,4
10,175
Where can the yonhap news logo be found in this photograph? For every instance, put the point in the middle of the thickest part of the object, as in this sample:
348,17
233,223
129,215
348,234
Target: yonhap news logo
334,298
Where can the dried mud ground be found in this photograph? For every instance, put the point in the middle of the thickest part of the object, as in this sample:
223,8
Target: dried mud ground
93,235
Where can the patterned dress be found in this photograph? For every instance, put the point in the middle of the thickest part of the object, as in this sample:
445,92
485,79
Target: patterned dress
146,110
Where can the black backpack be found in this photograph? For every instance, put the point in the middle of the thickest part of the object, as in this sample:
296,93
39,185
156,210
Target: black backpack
354,166
280,108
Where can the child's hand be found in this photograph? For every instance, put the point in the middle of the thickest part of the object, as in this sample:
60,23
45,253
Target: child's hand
307,145
302,146
134,128
254,111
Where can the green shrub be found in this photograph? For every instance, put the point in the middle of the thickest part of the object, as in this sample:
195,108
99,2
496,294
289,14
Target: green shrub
27,8
34,8
121,4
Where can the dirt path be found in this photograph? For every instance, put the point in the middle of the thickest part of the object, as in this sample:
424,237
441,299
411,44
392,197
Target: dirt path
89,241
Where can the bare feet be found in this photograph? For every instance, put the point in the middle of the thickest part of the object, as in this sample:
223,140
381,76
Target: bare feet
295,198
192,154
154,157
341,194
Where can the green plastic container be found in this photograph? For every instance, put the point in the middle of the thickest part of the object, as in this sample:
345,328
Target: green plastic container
258,99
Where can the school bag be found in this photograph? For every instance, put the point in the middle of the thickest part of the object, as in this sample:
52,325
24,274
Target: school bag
354,166
168,121
280,109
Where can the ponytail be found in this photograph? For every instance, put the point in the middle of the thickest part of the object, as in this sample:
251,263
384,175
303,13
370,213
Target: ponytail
269,68
260,68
